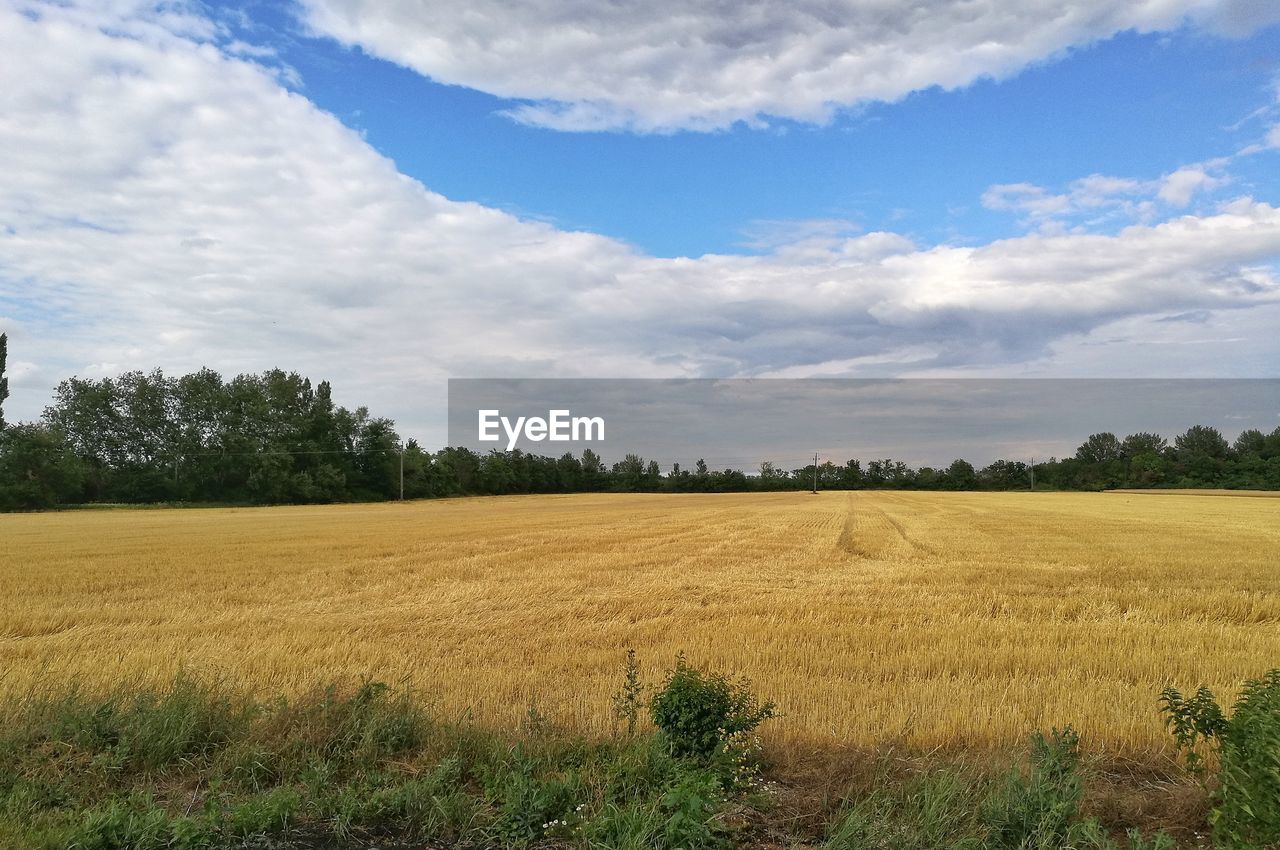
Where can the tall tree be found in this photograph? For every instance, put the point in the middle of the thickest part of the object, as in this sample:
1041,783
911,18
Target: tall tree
1201,441
4,382
1099,448
37,469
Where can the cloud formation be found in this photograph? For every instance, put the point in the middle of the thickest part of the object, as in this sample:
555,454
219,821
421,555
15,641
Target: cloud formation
706,64
1100,199
168,202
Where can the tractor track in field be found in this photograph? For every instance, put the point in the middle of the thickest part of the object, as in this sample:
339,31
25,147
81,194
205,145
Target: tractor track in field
870,532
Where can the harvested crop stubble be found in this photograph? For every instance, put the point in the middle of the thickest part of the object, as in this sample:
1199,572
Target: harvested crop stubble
953,619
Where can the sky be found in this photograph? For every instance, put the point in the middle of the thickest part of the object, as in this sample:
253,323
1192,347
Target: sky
392,193
738,423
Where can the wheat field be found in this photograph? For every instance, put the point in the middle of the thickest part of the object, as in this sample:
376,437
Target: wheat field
942,619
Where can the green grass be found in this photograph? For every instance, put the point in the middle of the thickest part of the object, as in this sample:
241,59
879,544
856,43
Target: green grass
192,767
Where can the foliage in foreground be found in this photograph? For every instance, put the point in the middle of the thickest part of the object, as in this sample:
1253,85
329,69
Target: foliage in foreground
193,767
1246,789
702,713
1036,808
189,766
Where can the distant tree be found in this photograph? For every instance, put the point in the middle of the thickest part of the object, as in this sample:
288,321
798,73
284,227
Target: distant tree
1146,456
4,382
38,469
1143,443
1004,475
593,471
851,475
1251,442
1201,440
1201,456
960,475
569,473
495,475
829,475
628,473
1099,448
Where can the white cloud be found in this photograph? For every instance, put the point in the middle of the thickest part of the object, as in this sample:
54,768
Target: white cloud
705,64
1098,199
168,204
1182,185
1034,201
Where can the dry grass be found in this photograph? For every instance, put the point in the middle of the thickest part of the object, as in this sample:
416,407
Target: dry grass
939,619
1264,494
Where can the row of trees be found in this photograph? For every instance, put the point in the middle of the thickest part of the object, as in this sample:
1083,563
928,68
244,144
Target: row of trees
276,438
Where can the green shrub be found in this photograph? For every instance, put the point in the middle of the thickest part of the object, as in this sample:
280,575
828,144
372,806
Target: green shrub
529,807
1247,797
691,806
698,711
1036,810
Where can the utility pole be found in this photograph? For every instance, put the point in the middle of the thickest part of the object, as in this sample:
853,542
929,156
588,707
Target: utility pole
1033,475
402,473
815,472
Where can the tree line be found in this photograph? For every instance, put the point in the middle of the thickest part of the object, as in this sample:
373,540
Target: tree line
276,438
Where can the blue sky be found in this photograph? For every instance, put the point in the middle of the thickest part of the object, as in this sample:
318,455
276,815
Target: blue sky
1134,105
392,193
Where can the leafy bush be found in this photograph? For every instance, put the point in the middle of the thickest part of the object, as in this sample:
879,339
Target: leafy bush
1247,796
691,806
697,712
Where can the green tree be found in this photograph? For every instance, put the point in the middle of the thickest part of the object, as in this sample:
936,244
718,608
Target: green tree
960,475
37,468
1099,448
1004,475
851,475
593,471
628,473
1143,443
1251,442
1201,441
4,382
1202,455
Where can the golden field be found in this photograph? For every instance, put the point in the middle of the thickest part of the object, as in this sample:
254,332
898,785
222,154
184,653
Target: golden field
947,619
